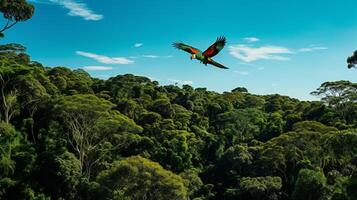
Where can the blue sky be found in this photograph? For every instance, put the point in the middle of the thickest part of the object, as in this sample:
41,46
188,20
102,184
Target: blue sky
288,47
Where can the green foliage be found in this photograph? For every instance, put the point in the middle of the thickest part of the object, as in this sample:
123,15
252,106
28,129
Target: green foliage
341,96
274,127
313,126
240,125
261,187
66,135
16,164
139,178
94,130
15,11
9,140
70,82
240,89
352,60
309,185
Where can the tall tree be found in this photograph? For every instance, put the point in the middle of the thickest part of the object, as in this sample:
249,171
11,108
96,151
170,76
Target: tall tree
310,185
81,113
137,178
352,60
92,128
15,11
340,95
9,74
261,187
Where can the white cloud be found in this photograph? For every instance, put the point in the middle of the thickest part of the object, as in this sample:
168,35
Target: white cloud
311,48
78,9
150,56
105,59
137,45
249,54
241,72
247,64
181,82
251,39
97,68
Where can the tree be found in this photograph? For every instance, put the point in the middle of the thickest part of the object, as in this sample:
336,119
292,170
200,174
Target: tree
70,82
92,128
81,113
352,60
310,185
228,146
261,187
22,85
31,96
11,48
236,161
163,107
9,74
15,11
60,172
274,126
137,178
240,125
9,140
10,106
240,89
340,95
273,103
172,149
17,165
193,182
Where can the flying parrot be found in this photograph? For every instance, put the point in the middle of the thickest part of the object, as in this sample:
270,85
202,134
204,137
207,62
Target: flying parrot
206,56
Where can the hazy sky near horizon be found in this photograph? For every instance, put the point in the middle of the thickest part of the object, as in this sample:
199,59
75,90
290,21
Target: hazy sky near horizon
288,47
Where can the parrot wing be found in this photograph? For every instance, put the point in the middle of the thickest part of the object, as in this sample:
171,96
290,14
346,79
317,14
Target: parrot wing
216,64
186,48
215,48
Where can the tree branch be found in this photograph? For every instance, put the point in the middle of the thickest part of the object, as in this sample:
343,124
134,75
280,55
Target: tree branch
7,26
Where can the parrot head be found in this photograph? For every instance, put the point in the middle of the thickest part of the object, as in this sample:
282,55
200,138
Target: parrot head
193,56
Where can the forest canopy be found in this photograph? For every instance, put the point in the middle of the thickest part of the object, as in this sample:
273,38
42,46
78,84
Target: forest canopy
67,135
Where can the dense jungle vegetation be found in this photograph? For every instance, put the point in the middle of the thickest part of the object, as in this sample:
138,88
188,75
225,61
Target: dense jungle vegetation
67,135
